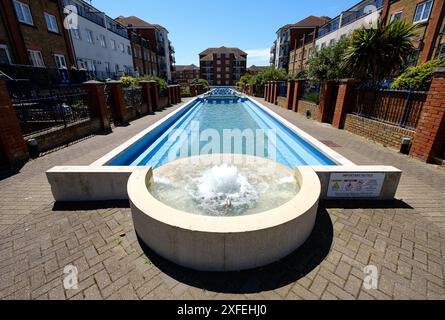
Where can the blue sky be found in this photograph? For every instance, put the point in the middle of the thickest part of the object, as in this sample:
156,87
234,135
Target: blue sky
195,25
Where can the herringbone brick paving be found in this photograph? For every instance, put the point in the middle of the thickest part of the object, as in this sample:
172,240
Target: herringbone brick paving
405,239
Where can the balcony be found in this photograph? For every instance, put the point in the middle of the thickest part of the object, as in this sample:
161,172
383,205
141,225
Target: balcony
85,12
350,16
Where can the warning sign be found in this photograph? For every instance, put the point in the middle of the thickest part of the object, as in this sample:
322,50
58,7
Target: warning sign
356,185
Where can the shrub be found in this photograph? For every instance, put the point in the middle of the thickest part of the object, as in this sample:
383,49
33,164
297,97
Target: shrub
418,78
325,63
204,83
128,81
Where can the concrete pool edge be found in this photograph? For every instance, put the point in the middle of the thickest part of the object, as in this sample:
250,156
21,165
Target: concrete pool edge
223,243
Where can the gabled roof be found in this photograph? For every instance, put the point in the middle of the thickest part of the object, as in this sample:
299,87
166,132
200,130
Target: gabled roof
309,22
133,21
223,49
186,67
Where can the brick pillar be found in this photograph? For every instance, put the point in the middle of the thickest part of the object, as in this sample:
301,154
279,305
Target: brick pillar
429,140
118,102
298,93
12,144
270,89
178,92
266,93
146,95
326,95
275,93
193,90
290,94
97,103
344,102
155,94
170,95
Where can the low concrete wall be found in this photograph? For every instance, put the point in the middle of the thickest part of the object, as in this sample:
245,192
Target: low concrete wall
386,134
81,184
282,102
305,107
57,137
390,184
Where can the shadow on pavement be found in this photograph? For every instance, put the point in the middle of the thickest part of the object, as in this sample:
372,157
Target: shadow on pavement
366,204
287,271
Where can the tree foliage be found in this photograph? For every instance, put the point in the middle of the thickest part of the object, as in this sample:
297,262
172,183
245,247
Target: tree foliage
128,81
379,53
260,79
418,78
204,83
325,64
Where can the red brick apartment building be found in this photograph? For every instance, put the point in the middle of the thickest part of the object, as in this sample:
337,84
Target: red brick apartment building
302,43
222,66
428,15
144,59
158,43
186,73
32,33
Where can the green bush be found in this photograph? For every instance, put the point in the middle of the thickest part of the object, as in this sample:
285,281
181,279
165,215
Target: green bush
418,78
128,81
204,83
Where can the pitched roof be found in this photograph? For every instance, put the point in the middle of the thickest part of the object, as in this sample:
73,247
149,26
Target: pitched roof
311,21
223,49
186,67
136,22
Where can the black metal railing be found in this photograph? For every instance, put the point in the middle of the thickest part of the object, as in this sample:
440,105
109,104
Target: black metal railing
400,108
311,92
44,112
282,89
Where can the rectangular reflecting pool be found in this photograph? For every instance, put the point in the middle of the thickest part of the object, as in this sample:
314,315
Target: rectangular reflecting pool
224,124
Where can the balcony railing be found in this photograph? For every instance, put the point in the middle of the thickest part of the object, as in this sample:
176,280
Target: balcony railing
350,17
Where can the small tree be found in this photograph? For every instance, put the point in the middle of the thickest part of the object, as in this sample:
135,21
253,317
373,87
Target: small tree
204,83
378,53
418,78
325,63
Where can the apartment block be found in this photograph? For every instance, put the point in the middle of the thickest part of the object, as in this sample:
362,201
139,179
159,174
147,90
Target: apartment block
101,44
32,34
144,59
222,66
186,73
428,15
159,43
303,46
365,13
287,37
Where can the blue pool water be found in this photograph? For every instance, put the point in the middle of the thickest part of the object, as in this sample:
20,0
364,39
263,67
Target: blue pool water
200,128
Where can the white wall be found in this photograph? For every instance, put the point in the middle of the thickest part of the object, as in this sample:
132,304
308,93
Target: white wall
100,55
348,29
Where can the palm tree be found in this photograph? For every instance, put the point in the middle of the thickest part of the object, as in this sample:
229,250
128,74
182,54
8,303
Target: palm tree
380,52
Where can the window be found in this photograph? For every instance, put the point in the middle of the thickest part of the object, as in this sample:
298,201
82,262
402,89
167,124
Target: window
75,33
397,16
23,12
129,51
5,58
218,69
227,69
423,11
121,47
51,22
332,42
107,66
103,41
36,58
113,44
90,37
60,61
218,62
227,76
323,45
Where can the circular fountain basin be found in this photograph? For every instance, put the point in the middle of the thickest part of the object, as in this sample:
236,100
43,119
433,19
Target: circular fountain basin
241,224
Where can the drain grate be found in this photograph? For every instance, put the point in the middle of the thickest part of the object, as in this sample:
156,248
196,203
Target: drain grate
330,144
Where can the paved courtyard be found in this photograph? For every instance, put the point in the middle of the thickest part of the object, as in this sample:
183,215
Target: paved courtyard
405,238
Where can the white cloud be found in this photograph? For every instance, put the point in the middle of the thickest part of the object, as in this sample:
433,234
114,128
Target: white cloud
258,57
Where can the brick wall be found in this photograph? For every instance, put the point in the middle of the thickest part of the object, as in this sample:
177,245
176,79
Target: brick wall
282,101
304,107
51,139
386,134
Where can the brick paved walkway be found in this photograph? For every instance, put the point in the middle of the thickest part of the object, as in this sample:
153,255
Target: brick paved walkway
405,239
